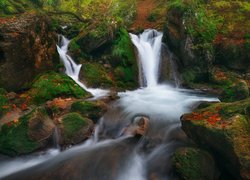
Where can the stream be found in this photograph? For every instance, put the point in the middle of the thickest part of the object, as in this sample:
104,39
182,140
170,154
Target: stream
114,152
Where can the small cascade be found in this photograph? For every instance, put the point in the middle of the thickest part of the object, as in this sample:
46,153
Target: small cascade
72,69
56,138
149,45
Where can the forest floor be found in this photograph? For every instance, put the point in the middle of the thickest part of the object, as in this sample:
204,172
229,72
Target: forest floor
148,16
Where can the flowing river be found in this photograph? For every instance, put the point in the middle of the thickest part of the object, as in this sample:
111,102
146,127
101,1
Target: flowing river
114,152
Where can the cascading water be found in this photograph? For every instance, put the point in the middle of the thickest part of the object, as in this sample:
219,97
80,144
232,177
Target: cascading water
149,45
110,153
72,69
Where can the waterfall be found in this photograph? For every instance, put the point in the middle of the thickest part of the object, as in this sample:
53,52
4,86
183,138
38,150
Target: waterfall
72,69
56,138
110,154
148,45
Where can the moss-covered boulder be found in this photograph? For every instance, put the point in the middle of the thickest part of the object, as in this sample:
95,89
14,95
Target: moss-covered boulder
204,34
51,85
124,61
233,86
95,75
93,110
27,48
74,129
193,163
223,129
26,134
40,126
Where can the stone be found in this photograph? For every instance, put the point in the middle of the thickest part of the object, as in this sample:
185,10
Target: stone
193,163
74,129
27,48
40,126
93,110
223,128
139,126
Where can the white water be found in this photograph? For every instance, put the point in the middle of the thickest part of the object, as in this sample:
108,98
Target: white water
25,162
72,69
148,45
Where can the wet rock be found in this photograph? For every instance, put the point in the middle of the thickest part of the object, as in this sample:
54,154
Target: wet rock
139,126
193,163
89,164
223,128
74,129
27,48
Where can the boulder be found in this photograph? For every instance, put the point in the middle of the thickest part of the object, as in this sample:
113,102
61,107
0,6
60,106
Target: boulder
95,75
52,85
27,134
40,126
223,129
74,129
93,110
233,86
139,126
204,34
27,48
193,163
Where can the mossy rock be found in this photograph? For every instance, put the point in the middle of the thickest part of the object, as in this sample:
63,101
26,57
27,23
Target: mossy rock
95,75
90,109
206,33
233,87
27,134
223,129
75,129
51,85
124,61
193,163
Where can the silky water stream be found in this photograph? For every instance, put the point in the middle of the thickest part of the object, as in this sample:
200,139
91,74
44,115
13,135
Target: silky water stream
112,154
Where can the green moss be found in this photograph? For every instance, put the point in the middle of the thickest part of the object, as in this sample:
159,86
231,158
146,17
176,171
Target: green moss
52,85
124,59
92,110
224,129
14,139
193,163
233,88
96,75
72,123
123,48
